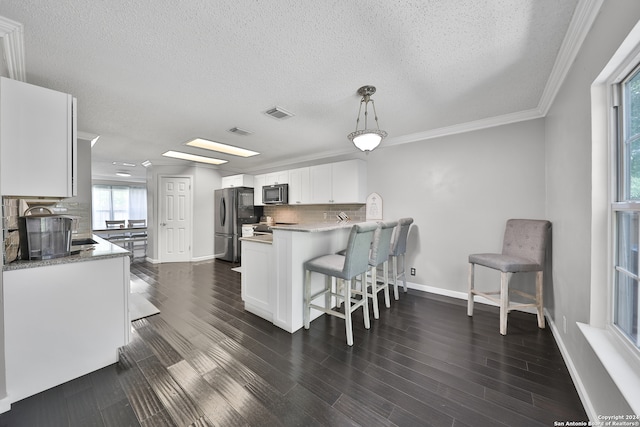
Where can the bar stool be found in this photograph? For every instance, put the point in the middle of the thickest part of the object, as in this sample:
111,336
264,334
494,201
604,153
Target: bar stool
379,256
398,249
347,267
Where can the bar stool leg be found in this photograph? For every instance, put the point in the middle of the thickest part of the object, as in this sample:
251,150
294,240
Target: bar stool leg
347,311
374,292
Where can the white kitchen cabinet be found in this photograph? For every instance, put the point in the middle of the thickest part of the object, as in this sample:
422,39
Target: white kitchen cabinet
258,182
63,321
257,285
241,180
280,177
299,186
37,141
340,182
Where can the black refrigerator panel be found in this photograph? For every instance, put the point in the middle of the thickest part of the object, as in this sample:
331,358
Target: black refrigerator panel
246,210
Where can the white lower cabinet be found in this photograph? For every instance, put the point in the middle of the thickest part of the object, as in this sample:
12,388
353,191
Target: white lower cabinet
257,287
63,321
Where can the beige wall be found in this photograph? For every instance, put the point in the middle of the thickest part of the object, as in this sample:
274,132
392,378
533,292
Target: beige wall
460,190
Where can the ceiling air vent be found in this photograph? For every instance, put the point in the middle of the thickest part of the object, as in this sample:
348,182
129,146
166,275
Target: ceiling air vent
278,113
239,131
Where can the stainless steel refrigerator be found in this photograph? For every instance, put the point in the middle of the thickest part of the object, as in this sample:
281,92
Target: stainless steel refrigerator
233,208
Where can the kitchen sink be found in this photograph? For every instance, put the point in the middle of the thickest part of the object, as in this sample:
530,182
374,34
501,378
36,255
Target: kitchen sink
80,242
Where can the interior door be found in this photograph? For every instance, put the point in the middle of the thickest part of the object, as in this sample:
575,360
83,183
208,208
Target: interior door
175,219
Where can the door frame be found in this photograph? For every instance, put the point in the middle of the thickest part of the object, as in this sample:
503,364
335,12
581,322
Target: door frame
160,193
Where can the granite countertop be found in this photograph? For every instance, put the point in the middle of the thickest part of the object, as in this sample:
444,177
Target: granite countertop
259,238
102,249
315,227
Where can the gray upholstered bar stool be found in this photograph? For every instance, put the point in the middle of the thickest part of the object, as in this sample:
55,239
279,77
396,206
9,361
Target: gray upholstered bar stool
347,267
398,250
523,250
379,257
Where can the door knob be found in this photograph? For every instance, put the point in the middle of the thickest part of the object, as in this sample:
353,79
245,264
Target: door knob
163,224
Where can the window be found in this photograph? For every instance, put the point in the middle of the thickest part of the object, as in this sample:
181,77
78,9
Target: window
115,202
626,210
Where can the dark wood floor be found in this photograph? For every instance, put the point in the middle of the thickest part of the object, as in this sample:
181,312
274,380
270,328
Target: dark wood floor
205,361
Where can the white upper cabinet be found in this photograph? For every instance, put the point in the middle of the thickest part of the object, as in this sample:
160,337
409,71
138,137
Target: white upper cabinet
299,186
37,141
237,181
273,178
340,182
258,182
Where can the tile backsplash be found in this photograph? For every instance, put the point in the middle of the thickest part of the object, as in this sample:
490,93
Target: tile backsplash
314,213
11,211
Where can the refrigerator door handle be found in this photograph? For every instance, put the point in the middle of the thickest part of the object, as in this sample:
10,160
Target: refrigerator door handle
223,211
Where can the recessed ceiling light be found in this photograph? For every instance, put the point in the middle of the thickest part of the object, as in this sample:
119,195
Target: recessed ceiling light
123,173
221,148
146,163
193,157
131,165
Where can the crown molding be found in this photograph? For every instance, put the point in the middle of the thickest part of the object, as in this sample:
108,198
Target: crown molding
13,42
581,22
490,122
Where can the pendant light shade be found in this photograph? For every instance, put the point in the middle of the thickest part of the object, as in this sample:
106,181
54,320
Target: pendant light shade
367,139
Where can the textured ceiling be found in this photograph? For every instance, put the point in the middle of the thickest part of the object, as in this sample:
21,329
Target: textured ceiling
150,75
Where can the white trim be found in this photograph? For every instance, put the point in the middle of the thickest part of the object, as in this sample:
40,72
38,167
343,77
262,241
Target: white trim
202,258
606,347
581,22
465,127
13,43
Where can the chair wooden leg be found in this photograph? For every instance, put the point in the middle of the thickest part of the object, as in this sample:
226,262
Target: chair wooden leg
504,301
385,272
365,306
404,276
470,298
307,295
328,286
374,293
346,288
539,299
394,274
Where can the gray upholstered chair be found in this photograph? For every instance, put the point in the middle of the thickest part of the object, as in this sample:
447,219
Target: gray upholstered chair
379,257
347,267
523,250
397,252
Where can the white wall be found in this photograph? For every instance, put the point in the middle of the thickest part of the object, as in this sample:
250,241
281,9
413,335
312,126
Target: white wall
569,197
460,190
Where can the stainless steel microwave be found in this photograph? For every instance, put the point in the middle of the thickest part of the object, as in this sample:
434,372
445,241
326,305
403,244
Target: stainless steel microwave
277,194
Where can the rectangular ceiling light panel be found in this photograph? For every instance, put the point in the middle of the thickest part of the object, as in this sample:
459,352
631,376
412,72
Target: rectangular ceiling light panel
193,157
221,148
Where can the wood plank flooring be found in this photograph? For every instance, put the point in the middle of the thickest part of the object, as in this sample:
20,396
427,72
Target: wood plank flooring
205,361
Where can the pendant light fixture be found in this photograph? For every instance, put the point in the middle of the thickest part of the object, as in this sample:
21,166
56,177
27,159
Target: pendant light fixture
367,139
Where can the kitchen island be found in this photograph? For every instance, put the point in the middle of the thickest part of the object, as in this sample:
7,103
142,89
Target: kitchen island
63,317
272,272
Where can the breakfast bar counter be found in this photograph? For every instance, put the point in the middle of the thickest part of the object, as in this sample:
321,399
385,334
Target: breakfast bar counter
272,275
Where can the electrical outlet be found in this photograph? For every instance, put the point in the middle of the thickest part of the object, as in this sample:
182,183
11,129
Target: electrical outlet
413,271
